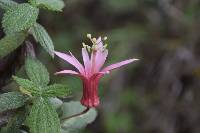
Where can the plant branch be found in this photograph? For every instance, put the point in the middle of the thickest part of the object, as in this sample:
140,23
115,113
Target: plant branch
79,114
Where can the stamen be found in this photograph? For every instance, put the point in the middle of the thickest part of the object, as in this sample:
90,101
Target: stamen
89,36
84,45
94,47
94,40
88,48
105,38
105,46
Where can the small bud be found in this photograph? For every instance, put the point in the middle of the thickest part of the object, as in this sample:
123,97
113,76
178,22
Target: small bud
89,36
105,38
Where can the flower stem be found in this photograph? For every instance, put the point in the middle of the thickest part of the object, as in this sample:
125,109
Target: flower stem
69,117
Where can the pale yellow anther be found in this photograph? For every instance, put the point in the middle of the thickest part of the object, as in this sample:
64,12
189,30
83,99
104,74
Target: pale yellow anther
94,40
89,36
105,38
84,45
105,46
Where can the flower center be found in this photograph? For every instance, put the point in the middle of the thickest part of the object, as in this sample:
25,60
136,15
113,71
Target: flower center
95,44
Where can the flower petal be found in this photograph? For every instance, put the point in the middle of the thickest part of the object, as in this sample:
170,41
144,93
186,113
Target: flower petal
99,74
100,43
80,66
119,64
93,62
100,59
67,72
71,60
86,60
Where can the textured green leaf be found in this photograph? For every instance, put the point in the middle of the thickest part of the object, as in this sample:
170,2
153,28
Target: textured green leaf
37,72
10,43
76,124
43,117
28,87
54,5
12,100
56,90
7,4
41,36
19,18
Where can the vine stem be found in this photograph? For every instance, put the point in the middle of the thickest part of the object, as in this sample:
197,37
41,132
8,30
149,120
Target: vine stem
79,114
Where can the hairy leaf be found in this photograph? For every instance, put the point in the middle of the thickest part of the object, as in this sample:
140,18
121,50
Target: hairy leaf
41,36
10,42
12,100
37,72
54,5
7,4
56,90
76,124
27,87
19,18
43,117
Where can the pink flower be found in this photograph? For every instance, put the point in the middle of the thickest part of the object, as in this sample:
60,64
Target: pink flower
91,72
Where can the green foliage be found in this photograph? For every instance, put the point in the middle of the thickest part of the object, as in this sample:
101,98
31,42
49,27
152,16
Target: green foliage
7,4
37,72
120,5
11,100
41,36
57,90
19,18
27,87
57,103
119,121
14,124
54,5
11,42
76,124
43,117
39,79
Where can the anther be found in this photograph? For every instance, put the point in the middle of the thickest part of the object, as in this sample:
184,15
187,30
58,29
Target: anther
105,46
84,45
94,40
105,38
89,36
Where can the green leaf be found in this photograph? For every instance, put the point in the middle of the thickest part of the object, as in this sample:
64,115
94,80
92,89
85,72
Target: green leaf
10,42
37,72
54,5
27,87
7,4
76,124
12,100
57,103
56,90
41,36
19,18
43,117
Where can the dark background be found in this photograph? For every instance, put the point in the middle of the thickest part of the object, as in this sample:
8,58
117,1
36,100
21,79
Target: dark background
158,94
